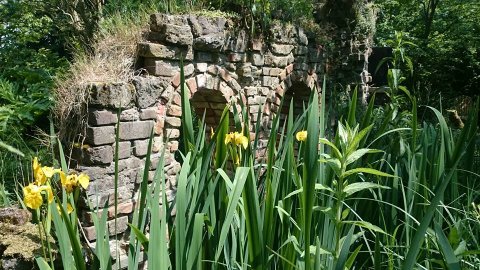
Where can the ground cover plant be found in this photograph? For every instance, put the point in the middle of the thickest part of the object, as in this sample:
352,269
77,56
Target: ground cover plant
369,197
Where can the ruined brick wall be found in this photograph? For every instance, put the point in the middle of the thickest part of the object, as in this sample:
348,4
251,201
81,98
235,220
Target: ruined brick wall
222,65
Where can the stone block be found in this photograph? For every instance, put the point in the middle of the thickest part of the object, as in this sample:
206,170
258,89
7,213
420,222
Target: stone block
149,113
201,67
237,42
140,148
201,81
276,61
202,25
212,82
100,135
251,91
124,150
122,225
95,173
125,164
269,81
275,72
135,130
99,155
173,121
111,95
174,110
157,20
161,67
172,133
210,43
281,49
236,57
130,115
148,90
257,59
173,34
101,117
155,50
192,85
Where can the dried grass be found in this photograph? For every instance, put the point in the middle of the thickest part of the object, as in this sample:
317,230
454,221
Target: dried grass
112,60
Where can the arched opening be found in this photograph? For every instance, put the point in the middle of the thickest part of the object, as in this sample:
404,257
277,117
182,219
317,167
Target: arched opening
300,93
210,103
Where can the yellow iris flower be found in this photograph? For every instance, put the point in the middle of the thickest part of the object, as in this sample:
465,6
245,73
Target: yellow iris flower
32,195
301,136
237,138
42,174
69,182
69,208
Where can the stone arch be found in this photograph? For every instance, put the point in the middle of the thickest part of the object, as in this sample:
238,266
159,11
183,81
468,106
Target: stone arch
211,91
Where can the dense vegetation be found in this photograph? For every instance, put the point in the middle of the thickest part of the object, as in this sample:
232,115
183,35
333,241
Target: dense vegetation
385,190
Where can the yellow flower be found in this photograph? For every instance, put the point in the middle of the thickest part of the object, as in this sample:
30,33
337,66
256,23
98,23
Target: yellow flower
240,139
301,136
83,180
237,138
71,181
228,138
49,171
42,174
212,133
69,208
32,195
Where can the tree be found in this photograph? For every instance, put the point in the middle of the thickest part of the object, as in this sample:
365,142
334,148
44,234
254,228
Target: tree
447,34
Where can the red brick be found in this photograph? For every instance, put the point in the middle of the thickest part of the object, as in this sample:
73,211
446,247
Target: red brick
289,68
176,80
174,110
192,85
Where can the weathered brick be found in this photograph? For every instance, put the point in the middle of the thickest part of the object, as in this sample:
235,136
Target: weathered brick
173,121
174,110
99,155
172,146
90,233
135,130
100,118
237,57
129,115
100,135
281,49
122,225
173,34
112,95
172,133
268,81
201,67
155,50
124,150
192,85
276,61
148,113
258,59
140,148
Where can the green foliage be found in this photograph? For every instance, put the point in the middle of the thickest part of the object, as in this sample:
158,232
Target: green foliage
446,58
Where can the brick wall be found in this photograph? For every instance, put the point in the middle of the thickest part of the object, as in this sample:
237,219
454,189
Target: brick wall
222,66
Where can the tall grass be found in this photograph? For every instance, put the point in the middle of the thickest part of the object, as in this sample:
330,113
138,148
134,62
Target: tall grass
373,196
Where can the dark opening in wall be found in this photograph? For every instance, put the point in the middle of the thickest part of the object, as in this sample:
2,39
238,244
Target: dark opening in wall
300,93
379,78
211,103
